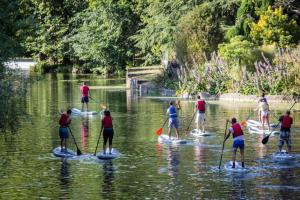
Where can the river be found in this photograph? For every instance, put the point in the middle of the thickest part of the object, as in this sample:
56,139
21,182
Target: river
146,169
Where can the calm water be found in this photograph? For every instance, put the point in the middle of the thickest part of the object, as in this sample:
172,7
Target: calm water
146,169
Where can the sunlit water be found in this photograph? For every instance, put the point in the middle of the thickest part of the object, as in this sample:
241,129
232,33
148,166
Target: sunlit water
145,168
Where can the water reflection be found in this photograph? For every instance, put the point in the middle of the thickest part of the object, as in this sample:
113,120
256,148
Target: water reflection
238,187
108,188
199,152
64,174
173,161
84,131
286,178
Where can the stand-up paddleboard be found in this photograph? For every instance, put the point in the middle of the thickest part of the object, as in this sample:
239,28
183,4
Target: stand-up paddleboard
282,156
260,131
199,133
238,167
114,154
76,111
63,153
254,123
173,140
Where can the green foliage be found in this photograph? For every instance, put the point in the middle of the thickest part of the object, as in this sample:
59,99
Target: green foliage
13,25
53,24
275,27
198,35
157,33
12,95
103,37
239,52
247,13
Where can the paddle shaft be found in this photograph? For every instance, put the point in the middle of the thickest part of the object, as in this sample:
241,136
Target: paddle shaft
265,139
223,145
191,121
78,150
98,141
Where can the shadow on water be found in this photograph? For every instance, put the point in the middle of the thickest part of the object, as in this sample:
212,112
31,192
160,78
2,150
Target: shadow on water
108,187
84,126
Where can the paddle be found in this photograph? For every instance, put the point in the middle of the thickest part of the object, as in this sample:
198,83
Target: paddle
190,122
244,123
159,131
266,139
98,140
223,144
78,150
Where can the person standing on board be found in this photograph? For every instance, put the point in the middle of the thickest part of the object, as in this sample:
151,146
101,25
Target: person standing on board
85,94
173,120
263,111
200,109
238,140
108,131
64,121
286,123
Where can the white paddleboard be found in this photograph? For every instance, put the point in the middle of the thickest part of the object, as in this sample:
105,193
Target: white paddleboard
282,156
76,111
238,167
255,123
65,153
173,140
199,133
260,131
114,154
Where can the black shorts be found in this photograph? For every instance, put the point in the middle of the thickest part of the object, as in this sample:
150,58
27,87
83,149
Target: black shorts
84,99
108,134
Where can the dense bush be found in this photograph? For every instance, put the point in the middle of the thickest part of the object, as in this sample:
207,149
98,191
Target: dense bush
274,27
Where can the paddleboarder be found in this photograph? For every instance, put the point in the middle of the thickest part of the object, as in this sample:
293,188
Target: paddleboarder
64,121
285,130
85,94
200,109
108,131
173,120
238,140
263,111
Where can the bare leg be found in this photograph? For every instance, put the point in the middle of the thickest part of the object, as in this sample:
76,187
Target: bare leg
242,156
66,144
87,107
82,107
268,123
110,147
203,126
104,148
169,133
61,144
263,123
177,134
233,157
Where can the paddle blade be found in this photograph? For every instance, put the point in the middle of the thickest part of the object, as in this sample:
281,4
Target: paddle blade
158,132
243,123
265,140
78,152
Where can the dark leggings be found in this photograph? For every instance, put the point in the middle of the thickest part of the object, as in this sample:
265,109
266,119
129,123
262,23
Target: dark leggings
108,133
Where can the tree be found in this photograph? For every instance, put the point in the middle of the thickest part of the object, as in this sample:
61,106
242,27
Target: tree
159,21
103,37
198,35
247,13
52,26
274,27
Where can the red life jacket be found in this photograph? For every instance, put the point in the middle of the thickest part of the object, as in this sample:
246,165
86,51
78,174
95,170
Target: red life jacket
85,90
237,130
201,105
63,121
107,122
286,121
